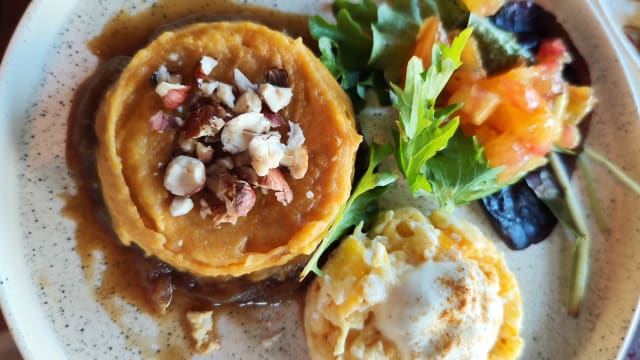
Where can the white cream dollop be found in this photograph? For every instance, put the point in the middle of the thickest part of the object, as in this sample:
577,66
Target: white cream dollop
441,310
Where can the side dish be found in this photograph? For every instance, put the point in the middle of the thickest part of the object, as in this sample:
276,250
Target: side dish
414,288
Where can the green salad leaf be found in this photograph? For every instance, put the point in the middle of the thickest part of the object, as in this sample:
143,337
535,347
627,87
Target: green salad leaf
460,173
394,35
351,32
432,152
499,48
368,42
422,130
395,32
345,46
360,207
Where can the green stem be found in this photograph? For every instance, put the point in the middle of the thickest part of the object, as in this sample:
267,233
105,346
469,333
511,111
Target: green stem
596,205
615,170
580,255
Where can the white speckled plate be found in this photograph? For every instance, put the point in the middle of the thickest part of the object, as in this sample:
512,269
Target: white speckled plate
52,311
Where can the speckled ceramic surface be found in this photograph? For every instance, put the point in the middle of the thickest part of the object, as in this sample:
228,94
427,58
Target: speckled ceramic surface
617,14
52,310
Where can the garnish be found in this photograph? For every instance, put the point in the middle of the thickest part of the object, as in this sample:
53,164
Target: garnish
460,173
346,45
590,186
580,254
359,208
543,182
227,146
500,50
615,170
369,45
432,155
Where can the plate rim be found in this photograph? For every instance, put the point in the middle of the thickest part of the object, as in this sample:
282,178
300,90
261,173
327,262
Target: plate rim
22,35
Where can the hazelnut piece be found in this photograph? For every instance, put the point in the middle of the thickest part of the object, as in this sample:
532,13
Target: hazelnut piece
173,95
241,81
224,94
205,66
297,160
248,102
204,152
184,176
238,132
274,180
161,121
180,206
275,97
204,121
266,151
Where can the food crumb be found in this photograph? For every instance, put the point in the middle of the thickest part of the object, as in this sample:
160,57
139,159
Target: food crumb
202,331
205,210
310,194
268,341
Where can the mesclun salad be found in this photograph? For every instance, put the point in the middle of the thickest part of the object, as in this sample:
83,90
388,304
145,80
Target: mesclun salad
483,111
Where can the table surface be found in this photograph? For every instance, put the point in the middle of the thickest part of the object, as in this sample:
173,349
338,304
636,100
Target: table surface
10,13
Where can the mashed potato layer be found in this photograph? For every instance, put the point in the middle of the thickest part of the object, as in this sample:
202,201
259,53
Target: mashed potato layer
131,155
414,288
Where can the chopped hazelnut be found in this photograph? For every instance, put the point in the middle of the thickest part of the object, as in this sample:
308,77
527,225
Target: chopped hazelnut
173,95
187,145
208,87
275,97
180,206
204,152
239,131
163,88
184,176
295,135
241,81
275,118
245,198
163,75
224,94
297,160
205,209
161,121
205,66
274,180
202,331
237,195
248,102
277,77
204,121
266,151
220,166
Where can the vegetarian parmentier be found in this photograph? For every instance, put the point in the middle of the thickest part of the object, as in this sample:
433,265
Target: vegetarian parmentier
131,155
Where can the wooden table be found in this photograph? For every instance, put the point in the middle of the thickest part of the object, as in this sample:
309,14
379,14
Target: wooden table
10,12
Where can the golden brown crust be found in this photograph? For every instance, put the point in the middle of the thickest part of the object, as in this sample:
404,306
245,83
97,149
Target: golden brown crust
272,234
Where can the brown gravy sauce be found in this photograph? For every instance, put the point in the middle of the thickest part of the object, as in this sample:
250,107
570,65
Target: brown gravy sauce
147,283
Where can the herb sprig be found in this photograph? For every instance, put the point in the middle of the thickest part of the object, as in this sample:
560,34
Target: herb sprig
432,153
361,206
